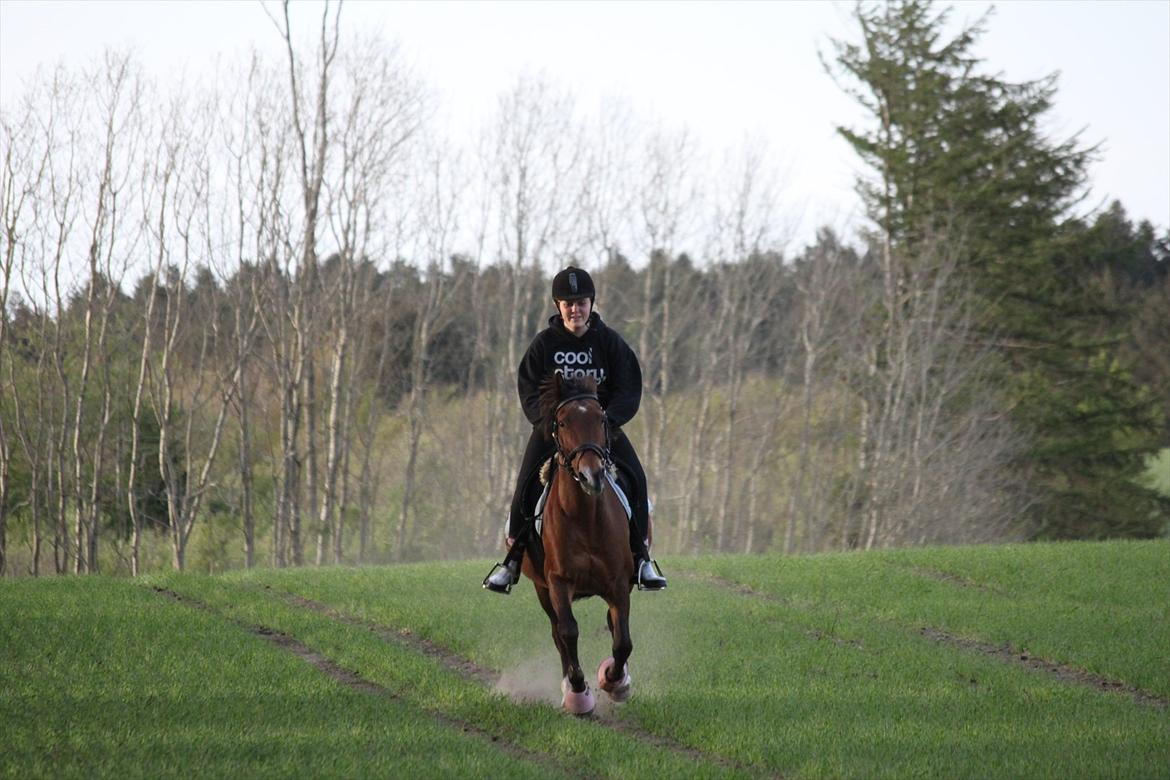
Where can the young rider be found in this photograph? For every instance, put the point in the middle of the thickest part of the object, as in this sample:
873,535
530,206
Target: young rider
577,343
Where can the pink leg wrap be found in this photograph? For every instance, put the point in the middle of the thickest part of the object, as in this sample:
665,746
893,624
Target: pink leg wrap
577,703
619,691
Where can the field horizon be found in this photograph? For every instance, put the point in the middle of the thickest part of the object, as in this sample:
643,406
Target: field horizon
1026,660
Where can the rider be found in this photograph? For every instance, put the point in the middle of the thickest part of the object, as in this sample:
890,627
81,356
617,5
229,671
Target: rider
577,343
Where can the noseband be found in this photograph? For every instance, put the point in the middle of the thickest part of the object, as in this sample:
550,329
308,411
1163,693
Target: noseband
566,459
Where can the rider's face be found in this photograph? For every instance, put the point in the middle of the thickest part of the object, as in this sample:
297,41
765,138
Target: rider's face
576,314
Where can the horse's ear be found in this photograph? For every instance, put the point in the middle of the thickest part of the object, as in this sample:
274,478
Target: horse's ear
558,380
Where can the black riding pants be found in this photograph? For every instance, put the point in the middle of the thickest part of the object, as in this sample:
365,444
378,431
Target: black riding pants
540,449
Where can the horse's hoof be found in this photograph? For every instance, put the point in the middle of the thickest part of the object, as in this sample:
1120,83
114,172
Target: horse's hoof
577,703
618,690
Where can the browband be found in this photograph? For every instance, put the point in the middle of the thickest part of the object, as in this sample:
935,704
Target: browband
578,397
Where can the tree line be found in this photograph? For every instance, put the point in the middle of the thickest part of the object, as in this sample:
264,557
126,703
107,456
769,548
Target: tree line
280,314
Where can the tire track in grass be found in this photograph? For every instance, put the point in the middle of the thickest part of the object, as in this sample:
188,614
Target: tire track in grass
473,672
1009,653
1066,674
743,590
403,637
356,682
955,579
1005,652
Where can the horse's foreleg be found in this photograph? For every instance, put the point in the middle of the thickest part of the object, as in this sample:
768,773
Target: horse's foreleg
546,602
577,697
623,644
614,677
568,632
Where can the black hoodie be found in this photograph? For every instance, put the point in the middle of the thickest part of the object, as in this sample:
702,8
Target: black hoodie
599,352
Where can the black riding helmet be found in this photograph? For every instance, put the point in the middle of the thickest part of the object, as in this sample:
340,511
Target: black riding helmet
572,284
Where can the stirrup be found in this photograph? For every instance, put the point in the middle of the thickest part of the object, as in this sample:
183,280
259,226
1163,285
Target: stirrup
655,580
502,577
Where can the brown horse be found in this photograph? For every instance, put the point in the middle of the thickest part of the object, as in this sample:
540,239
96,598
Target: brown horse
586,549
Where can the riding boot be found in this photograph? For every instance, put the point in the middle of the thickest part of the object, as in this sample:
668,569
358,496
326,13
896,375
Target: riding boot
647,574
507,573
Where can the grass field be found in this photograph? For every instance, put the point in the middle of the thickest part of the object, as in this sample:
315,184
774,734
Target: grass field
1015,661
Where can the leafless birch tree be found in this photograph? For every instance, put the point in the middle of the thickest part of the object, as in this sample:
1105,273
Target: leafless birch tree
747,241
826,278
533,159
934,456
433,310
116,92
668,208
383,110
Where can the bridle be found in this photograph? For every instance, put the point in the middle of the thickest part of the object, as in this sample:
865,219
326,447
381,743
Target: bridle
566,459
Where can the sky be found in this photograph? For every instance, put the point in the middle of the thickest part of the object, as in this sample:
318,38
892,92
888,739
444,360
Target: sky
726,70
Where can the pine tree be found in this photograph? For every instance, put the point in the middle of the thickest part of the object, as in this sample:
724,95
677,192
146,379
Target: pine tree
959,153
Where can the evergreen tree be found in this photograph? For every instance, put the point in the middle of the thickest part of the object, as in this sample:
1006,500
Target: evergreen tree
963,154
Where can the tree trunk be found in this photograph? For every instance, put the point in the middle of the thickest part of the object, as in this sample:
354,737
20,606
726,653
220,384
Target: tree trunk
247,501
334,442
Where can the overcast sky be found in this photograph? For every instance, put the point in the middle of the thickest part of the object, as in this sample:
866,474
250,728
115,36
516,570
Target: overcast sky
725,69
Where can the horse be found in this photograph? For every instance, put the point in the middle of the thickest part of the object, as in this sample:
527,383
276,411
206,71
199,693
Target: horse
584,548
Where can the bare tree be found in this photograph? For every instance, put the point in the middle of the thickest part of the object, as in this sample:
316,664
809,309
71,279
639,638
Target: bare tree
667,209
383,110
21,177
827,314
60,130
607,197
432,312
157,189
533,160
693,484
191,388
272,294
116,92
248,179
373,407
311,134
934,456
364,306
746,240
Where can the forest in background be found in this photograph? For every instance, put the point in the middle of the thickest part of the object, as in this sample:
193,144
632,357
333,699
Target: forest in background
276,319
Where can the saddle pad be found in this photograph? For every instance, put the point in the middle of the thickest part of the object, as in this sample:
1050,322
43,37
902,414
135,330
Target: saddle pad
621,494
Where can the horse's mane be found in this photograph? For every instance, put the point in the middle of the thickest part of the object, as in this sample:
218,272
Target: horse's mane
554,389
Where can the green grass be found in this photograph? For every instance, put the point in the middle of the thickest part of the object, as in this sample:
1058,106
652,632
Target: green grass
104,678
423,682
1101,607
820,671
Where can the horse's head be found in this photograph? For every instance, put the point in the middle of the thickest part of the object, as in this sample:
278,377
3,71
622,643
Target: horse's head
573,417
